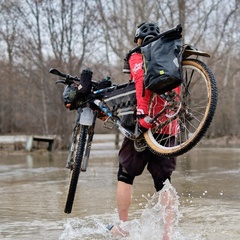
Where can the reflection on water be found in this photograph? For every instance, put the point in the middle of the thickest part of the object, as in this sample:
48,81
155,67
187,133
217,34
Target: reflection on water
33,190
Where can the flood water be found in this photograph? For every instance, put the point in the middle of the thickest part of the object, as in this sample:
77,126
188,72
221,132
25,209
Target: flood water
33,190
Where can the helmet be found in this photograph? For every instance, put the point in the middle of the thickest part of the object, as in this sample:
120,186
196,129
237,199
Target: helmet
145,29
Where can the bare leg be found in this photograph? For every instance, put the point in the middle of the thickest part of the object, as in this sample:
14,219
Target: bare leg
124,195
167,200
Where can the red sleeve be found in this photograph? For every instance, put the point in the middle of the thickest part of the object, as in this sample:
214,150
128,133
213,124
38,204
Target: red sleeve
137,74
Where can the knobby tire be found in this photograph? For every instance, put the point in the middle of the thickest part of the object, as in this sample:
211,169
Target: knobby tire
74,175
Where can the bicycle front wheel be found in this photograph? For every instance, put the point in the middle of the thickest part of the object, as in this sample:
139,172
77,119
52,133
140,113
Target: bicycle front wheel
74,174
190,116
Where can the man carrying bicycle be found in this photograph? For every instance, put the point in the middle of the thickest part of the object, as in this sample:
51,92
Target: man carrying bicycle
131,162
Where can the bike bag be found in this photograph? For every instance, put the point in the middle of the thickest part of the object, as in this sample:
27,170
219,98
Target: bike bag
74,93
121,101
163,63
104,83
85,83
72,98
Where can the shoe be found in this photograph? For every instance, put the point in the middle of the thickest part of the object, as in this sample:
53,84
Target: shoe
109,227
126,68
117,231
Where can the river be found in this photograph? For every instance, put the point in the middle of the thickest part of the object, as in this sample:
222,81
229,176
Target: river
33,189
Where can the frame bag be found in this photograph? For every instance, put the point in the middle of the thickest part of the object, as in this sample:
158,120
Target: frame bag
121,101
163,63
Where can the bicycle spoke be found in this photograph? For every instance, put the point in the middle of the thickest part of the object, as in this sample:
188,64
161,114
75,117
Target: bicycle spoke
198,98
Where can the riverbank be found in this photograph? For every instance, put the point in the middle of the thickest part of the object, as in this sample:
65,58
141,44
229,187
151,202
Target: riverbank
18,143
12,143
225,142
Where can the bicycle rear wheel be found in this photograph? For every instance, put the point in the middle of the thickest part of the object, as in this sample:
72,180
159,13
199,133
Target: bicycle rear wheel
74,174
188,119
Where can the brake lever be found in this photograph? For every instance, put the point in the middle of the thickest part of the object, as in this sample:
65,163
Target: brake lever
60,81
68,81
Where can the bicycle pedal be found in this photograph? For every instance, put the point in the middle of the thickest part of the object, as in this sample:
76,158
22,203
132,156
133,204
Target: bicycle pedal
109,123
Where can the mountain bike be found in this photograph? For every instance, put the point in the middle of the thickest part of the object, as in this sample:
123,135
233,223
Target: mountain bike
191,111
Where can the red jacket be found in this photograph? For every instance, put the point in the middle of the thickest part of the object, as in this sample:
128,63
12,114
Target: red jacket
137,75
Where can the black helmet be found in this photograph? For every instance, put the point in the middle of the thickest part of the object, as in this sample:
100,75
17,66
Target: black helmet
145,29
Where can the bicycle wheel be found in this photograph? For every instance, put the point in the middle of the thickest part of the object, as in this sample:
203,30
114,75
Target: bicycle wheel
187,115
74,174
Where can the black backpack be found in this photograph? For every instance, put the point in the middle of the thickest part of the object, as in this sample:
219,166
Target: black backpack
162,56
163,64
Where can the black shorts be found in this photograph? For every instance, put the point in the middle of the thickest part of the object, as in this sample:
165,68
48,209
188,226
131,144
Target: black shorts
134,162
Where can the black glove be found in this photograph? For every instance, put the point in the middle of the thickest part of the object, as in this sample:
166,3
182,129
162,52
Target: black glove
142,129
139,130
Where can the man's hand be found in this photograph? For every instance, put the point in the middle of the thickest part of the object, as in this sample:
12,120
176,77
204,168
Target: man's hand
145,123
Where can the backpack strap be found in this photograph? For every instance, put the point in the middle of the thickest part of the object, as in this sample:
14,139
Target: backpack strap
143,90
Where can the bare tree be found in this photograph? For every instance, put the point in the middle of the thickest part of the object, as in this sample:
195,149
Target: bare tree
8,35
70,35
71,41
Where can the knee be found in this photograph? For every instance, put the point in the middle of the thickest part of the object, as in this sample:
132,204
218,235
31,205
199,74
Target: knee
123,176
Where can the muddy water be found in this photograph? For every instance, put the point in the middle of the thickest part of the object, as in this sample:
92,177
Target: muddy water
33,189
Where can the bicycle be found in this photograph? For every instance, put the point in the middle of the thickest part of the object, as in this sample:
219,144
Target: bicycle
192,109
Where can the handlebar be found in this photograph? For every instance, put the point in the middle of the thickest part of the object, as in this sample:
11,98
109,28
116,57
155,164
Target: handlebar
68,78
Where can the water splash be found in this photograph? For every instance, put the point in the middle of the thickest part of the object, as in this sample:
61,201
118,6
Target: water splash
159,221
160,218
161,214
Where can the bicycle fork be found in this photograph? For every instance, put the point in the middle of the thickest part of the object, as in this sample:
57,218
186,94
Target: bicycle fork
88,144
70,159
